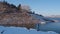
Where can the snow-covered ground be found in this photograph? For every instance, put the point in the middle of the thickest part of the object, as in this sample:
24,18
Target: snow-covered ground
19,30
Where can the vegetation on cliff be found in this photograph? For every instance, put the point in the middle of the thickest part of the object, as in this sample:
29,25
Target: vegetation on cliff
10,15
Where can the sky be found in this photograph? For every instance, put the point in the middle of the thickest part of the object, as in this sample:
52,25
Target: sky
44,7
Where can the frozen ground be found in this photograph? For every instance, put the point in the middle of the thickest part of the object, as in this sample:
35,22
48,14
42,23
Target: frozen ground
19,30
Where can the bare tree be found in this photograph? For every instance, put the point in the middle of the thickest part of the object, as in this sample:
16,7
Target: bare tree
26,7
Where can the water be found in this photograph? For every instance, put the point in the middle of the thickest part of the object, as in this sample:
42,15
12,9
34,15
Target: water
49,27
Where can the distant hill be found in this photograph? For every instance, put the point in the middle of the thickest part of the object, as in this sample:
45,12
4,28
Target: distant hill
54,16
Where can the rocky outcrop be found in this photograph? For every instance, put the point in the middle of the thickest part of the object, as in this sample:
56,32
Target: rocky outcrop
10,15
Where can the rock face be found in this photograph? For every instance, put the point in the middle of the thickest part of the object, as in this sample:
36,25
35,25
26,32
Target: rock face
11,16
